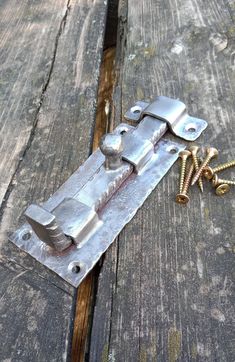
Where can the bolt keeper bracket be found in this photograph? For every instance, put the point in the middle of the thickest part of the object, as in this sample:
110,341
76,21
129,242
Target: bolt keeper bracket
76,225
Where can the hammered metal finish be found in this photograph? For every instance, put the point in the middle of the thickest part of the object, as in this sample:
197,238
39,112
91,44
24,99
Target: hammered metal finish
75,262
91,208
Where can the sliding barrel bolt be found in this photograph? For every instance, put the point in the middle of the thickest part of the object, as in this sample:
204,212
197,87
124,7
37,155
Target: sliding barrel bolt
184,156
182,197
211,153
194,151
210,172
111,145
222,186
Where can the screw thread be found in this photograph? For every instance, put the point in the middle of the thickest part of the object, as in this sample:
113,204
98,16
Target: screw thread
182,173
201,168
223,166
228,182
188,179
196,165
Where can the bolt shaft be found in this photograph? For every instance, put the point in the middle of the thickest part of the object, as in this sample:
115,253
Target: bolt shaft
223,166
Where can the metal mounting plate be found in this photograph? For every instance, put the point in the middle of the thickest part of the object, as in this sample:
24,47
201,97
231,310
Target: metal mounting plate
74,263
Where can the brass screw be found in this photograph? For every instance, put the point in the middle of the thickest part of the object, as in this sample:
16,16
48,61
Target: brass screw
222,189
183,155
194,151
219,181
209,172
182,197
211,153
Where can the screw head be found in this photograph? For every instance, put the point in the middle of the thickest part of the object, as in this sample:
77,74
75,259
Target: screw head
182,199
222,189
184,154
215,180
208,172
213,152
194,149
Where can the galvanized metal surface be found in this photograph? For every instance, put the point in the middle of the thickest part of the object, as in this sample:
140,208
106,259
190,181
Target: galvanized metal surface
171,111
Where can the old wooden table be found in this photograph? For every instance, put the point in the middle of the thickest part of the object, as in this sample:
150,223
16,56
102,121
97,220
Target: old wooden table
164,289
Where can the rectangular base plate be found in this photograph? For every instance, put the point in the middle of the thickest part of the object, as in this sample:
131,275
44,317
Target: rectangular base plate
75,262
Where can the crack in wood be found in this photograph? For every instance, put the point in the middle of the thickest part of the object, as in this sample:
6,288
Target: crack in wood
35,122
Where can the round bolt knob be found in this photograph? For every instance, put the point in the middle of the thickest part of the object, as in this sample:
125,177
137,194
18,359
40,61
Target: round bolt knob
111,145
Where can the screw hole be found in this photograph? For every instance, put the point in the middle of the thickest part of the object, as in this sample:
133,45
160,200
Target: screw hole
191,128
75,269
172,150
26,236
136,109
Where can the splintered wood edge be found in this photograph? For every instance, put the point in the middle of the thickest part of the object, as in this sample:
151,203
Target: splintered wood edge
85,293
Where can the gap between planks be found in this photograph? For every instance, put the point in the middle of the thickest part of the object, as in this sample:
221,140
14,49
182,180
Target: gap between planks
86,291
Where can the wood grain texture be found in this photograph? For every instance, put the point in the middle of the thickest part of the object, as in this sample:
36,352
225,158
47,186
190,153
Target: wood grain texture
28,34
166,289
52,89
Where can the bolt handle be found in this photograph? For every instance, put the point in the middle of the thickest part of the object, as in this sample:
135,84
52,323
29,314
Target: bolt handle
45,226
111,145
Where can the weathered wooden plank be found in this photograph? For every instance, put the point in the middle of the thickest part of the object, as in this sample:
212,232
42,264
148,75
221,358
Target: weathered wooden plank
28,40
165,289
53,138
35,316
